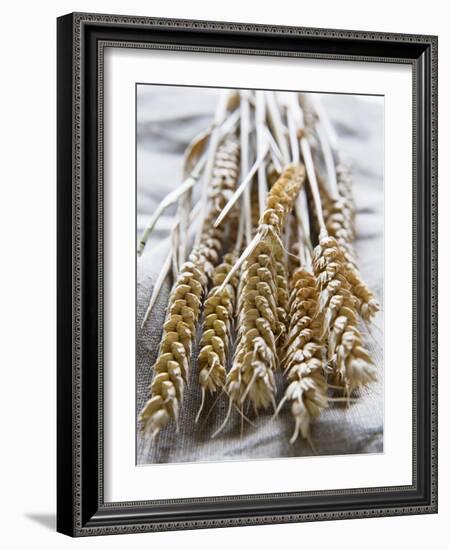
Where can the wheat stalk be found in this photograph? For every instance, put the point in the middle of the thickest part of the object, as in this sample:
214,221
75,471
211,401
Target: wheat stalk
303,355
303,352
275,120
171,369
245,123
261,144
260,302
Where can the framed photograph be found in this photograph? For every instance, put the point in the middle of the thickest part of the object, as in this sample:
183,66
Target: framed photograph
247,277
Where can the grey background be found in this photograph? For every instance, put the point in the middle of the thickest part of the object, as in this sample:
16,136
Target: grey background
167,119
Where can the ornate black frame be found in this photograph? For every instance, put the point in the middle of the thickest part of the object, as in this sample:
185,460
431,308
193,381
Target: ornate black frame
81,510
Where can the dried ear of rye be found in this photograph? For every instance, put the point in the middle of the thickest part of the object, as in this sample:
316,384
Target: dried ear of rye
171,369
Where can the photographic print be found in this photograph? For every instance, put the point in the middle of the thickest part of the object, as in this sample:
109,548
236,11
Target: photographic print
259,274
247,274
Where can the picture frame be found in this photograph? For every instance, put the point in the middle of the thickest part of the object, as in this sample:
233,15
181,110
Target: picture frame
81,507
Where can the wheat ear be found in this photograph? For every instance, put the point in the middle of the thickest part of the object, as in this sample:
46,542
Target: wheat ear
259,321
219,309
303,356
339,211
349,360
367,304
347,357
339,218
171,369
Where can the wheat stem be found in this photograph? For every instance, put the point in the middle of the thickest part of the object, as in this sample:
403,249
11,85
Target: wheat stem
174,238
276,155
184,208
166,267
274,117
312,179
240,233
328,159
245,122
293,135
192,154
243,186
157,286
304,245
170,199
214,141
262,146
298,118
305,248
327,125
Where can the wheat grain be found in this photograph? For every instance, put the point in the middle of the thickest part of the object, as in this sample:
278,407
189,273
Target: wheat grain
171,369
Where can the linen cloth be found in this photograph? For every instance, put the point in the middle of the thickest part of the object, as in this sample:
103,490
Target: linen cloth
167,119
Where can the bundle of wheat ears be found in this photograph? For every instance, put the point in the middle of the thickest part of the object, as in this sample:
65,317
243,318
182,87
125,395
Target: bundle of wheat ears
264,269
